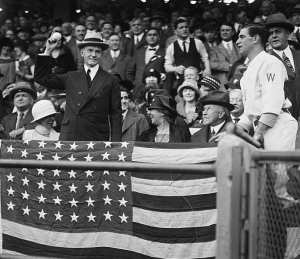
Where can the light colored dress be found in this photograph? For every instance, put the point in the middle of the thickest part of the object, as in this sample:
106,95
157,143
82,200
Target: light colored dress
40,133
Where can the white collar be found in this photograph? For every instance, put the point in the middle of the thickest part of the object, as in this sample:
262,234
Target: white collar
140,36
124,114
227,42
286,51
93,70
186,40
217,128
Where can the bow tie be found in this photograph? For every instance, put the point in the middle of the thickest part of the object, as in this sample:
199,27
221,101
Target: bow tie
152,49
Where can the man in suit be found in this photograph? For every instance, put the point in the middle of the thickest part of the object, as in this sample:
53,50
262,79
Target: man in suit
137,40
79,34
216,114
210,33
16,123
93,106
66,30
133,123
223,56
151,56
157,21
114,60
294,13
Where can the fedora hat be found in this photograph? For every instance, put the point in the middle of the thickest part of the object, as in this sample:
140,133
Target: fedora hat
192,84
295,9
22,87
218,97
163,102
158,17
93,39
42,109
278,19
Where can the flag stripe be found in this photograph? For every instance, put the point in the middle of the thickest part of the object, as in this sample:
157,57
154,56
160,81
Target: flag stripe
107,239
174,188
185,219
175,203
172,146
178,235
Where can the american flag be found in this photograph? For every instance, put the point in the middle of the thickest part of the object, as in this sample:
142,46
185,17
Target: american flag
107,214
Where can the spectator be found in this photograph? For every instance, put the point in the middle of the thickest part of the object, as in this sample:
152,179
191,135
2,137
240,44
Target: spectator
208,84
236,99
211,35
39,40
158,21
7,64
90,24
295,15
266,9
66,32
10,34
25,33
107,29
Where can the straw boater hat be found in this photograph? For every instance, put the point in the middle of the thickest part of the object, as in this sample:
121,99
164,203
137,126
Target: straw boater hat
219,98
93,39
278,19
192,84
22,87
42,109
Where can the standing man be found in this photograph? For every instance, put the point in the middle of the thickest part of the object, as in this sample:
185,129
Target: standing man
90,24
107,28
93,107
210,34
185,52
158,21
223,56
295,15
265,106
66,29
236,99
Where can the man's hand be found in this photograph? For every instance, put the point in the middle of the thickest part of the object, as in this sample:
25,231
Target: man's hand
51,44
179,70
16,132
206,72
217,138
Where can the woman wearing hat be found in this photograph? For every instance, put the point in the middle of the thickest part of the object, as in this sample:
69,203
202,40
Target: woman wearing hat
7,63
43,113
190,94
163,127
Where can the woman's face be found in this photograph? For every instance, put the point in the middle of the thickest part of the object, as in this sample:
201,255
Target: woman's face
155,116
47,122
188,94
18,51
5,51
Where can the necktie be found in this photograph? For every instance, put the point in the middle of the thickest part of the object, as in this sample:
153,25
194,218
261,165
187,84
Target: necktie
236,120
136,40
89,79
152,49
19,120
228,48
213,132
184,47
287,61
115,55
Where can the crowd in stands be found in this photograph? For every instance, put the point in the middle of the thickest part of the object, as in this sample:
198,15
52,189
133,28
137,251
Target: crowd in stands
178,72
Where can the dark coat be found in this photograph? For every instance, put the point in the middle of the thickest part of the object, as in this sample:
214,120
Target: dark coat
72,44
63,63
133,125
89,114
130,48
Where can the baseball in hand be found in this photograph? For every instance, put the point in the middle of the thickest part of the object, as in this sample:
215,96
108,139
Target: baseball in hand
56,36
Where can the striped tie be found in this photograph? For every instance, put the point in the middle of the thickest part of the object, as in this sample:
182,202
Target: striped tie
287,61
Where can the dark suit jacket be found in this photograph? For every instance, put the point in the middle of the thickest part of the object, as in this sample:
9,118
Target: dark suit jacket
219,61
72,44
138,65
9,123
295,95
89,115
130,48
118,66
133,125
204,134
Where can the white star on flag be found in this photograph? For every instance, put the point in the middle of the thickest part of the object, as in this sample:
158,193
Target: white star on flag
42,144
107,216
26,141
72,188
73,146
56,157
123,202
42,214
90,145
25,195
73,202
89,173
124,144
56,186
58,145
10,205
56,172
122,187
10,177
74,217
72,173
89,187
25,181
57,200
107,200
123,218
122,157
107,144
41,171
41,184
72,158
105,156
24,169
41,199
24,153
88,158
106,185
26,211
90,202
122,173
91,217
58,216
106,172
39,156
10,149
10,191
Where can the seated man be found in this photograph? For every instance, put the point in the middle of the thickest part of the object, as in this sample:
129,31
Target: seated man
216,114
236,99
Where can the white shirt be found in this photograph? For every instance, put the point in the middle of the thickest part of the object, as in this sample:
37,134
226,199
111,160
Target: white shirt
226,43
139,37
216,128
297,29
124,114
114,54
93,70
67,38
150,53
288,53
78,41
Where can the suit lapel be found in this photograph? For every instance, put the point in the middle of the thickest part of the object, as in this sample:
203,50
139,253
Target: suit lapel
13,121
128,121
141,42
82,82
223,50
296,56
142,56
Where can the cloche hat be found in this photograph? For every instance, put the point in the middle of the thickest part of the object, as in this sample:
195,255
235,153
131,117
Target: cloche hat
192,84
42,109
93,39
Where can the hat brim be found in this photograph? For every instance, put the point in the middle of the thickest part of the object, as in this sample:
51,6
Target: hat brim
102,45
13,91
44,116
286,25
229,106
162,19
180,89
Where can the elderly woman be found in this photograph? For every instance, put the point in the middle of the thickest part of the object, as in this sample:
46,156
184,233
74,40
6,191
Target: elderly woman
43,113
163,127
190,94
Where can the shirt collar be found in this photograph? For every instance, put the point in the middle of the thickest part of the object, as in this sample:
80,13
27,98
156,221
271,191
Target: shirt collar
93,69
186,40
124,114
286,51
296,28
156,47
227,42
217,128
24,112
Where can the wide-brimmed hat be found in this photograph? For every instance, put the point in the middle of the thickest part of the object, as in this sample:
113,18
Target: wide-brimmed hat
192,84
151,72
212,82
93,39
42,109
278,19
157,17
39,37
22,87
163,102
219,98
56,93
